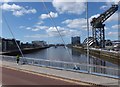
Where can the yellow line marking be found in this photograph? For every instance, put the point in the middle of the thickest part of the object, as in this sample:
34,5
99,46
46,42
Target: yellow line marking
49,76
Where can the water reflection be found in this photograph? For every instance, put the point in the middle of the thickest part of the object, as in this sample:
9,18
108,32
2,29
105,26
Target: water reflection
70,55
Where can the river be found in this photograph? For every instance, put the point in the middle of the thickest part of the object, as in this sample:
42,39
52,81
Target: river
68,55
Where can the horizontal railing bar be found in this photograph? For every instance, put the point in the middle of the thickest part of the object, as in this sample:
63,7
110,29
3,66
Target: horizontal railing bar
63,62
94,69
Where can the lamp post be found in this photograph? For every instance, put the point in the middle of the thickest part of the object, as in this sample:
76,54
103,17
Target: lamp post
88,60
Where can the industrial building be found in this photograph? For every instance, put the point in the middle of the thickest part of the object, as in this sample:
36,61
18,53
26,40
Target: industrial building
39,43
9,44
75,40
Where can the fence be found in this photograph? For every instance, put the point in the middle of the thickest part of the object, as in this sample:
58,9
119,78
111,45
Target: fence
76,67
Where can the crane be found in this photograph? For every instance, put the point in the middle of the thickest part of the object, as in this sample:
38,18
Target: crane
98,30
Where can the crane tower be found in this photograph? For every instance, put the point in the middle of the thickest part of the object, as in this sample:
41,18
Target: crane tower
98,30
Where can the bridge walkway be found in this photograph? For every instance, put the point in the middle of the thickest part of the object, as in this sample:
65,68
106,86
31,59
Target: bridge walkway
73,76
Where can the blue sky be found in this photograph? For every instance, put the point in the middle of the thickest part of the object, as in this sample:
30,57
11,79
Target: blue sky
30,21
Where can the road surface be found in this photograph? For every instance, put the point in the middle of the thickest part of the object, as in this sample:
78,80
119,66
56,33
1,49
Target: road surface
17,77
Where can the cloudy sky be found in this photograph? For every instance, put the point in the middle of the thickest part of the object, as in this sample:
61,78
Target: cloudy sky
31,20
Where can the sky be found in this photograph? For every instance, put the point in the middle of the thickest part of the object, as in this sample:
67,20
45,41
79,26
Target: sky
31,21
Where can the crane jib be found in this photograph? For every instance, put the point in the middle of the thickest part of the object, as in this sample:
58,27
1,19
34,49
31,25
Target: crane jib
104,16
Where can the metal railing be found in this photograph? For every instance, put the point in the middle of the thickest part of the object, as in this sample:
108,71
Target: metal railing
93,69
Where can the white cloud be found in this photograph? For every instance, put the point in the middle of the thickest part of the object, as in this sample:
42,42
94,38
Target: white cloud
79,24
70,0
116,1
109,2
17,10
116,26
1,21
38,27
28,28
114,17
21,27
36,36
75,23
45,16
6,0
12,7
104,7
52,31
113,33
24,11
35,29
74,33
73,7
107,28
40,22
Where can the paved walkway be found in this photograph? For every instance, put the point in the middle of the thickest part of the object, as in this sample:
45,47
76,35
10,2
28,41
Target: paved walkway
18,77
99,80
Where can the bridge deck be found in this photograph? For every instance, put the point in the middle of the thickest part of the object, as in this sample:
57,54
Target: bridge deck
75,76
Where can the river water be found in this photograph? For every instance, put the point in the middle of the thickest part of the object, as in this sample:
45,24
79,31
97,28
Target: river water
69,55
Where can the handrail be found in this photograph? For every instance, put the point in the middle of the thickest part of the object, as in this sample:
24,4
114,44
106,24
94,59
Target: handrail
83,64
94,69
